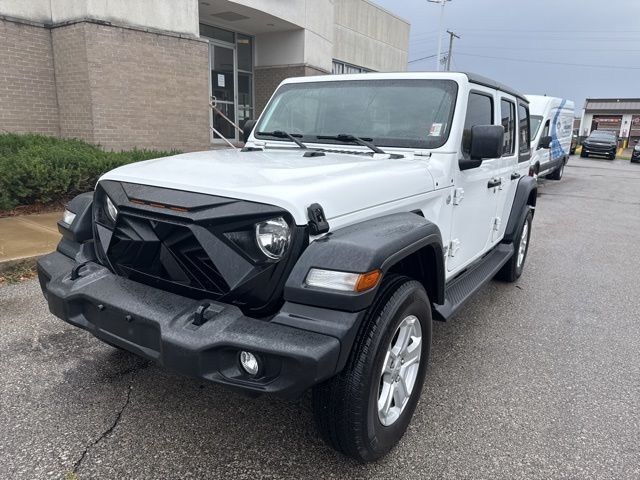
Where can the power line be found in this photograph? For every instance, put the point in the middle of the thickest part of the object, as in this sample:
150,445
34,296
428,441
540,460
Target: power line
620,67
422,58
591,50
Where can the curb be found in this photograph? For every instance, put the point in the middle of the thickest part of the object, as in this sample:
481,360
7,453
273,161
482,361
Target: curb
7,265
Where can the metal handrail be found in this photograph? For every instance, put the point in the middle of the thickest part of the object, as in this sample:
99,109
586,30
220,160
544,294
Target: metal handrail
213,104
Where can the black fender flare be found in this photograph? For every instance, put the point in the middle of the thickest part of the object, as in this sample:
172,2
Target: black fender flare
378,243
524,201
80,229
76,241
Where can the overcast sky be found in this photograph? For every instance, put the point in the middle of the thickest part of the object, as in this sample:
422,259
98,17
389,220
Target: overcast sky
565,48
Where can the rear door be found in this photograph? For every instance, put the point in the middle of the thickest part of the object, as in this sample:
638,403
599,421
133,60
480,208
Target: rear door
515,168
475,203
508,120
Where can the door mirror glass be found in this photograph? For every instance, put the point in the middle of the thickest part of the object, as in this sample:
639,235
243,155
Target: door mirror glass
545,142
247,128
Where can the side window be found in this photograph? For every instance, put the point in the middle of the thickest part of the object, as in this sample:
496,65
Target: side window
508,121
525,133
479,112
545,130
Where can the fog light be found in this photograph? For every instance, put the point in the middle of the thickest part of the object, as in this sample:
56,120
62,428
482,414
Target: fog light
249,363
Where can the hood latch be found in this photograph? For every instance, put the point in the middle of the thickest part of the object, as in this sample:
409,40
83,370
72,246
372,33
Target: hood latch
317,221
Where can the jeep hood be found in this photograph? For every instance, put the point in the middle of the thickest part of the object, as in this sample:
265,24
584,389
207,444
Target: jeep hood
342,183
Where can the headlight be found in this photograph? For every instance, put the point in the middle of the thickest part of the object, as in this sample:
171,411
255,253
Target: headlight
273,237
112,211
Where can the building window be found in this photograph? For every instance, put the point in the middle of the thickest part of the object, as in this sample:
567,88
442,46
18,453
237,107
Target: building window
342,67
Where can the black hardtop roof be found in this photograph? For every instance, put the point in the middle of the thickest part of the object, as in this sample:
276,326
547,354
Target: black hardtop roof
487,82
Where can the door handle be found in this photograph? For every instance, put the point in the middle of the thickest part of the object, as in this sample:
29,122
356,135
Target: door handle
515,176
494,182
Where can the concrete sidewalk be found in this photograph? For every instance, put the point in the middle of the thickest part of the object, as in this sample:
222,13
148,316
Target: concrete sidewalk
27,236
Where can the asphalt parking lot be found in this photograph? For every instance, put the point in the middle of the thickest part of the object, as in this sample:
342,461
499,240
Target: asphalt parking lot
539,379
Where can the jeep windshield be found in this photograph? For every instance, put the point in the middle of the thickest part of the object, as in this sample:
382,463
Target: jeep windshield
394,113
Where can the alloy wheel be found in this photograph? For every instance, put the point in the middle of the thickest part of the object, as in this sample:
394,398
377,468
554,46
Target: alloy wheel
400,370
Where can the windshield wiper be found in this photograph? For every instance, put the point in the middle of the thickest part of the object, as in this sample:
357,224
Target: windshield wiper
290,136
346,138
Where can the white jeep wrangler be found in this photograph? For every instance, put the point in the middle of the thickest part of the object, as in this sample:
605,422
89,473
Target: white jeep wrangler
361,208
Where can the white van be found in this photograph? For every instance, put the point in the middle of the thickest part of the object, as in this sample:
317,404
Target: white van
551,129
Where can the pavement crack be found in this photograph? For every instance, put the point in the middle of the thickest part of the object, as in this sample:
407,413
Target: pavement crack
107,432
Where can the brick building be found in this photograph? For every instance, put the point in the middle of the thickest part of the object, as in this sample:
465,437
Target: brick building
140,74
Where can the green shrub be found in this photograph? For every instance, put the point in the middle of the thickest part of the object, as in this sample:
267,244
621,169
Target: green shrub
40,169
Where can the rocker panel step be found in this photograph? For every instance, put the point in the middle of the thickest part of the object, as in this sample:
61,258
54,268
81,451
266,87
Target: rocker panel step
458,290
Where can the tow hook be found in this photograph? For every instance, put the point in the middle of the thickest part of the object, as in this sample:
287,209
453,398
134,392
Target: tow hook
75,273
205,312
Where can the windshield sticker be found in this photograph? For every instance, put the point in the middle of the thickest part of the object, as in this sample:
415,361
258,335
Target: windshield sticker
436,130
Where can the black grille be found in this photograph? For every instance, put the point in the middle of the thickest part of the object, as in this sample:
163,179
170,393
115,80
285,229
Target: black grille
192,244
165,252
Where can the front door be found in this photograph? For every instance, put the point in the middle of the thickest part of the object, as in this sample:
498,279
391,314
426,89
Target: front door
475,201
223,91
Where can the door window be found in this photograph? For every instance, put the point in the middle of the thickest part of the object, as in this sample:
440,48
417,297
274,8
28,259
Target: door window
508,121
479,112
525,133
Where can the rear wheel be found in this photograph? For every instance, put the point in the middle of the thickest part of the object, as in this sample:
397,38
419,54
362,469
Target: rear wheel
512,270
557,173
364,411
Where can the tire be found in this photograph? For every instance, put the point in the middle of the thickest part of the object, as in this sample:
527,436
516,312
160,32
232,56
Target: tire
583,154
535,171
557,173
612,156
346,406
512,270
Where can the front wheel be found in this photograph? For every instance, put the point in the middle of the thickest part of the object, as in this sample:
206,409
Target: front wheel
512,270
365,410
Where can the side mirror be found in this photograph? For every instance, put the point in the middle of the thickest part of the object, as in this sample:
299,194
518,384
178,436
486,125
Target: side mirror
247,128
545,142
486,142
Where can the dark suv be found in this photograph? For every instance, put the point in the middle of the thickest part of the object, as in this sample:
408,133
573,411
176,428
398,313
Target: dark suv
600,143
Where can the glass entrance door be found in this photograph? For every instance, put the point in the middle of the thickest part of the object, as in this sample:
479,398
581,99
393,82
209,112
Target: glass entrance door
231,79
223,82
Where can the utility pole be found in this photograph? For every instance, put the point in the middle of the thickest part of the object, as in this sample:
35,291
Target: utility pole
451,37
442,3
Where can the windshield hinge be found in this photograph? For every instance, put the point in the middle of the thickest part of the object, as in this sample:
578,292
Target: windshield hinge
458,195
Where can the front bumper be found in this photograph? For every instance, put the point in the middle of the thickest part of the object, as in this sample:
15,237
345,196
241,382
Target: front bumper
160,326
599,149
